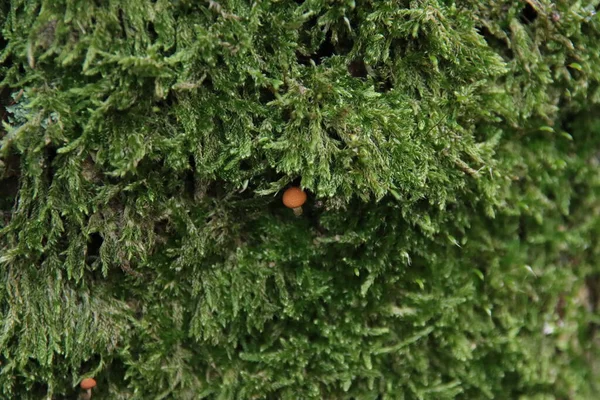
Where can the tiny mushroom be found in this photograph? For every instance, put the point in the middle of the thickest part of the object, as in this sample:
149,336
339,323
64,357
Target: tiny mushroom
87,384
294,198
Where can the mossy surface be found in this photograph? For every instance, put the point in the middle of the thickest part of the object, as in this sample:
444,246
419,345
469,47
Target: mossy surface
449,247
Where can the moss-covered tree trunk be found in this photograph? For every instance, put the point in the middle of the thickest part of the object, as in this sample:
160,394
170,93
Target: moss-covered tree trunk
449,247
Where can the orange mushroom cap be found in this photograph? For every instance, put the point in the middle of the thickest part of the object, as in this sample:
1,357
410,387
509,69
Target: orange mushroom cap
88,383
294,197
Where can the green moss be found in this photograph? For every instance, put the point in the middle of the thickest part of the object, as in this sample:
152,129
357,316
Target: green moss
448,248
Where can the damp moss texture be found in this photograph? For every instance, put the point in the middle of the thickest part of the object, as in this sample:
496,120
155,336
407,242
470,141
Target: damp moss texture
449,247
